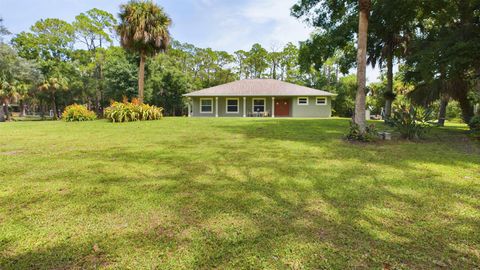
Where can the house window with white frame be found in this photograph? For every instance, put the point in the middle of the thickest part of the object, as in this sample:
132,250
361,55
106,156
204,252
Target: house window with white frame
206,105
302,101
321,101
232,105
259,105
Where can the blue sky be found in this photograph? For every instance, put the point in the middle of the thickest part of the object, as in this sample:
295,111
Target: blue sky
220,24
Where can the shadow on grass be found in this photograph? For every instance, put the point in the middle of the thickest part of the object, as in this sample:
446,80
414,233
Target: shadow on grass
265,203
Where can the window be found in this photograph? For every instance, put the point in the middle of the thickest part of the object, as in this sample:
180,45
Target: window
302,101
232,105
206,105
321,101
259,105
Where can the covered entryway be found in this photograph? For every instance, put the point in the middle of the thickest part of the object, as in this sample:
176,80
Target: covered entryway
282,107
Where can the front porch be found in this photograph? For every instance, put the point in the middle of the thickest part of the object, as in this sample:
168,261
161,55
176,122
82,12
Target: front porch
239,106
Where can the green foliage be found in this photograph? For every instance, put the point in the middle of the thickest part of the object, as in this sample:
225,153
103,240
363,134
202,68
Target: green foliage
168,89
344,102
475,124
121,74
410,121
93,28
355,134
132,111
75,112
143,27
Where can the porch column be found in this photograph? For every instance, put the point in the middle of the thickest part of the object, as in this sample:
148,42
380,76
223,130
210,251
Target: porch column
244,106
189,108
216,107
273,107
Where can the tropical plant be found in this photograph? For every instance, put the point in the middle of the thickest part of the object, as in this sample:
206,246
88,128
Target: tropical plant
143,29
410,121
132,111
77,112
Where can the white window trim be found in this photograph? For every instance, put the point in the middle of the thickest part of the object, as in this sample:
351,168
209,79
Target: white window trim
302,104
264,104
238,105
318,104
202,99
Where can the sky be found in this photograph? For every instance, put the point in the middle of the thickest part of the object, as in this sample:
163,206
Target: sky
227,25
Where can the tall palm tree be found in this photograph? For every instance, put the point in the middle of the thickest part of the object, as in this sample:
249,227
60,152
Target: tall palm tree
360,100
143,29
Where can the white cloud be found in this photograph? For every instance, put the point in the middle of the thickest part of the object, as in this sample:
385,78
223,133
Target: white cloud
238,25
277,12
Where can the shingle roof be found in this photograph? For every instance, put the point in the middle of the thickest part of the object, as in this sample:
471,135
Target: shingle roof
259,87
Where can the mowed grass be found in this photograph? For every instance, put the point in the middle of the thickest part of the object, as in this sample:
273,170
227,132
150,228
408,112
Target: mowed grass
185,193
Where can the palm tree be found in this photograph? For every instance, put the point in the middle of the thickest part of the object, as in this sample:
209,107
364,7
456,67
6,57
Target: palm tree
50,87
364,11
7,93
143,29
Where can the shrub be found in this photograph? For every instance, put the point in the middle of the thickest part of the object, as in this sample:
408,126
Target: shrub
474,124
354,133
128,112
410,122
77,112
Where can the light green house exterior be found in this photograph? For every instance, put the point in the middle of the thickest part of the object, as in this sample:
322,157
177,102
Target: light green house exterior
260,97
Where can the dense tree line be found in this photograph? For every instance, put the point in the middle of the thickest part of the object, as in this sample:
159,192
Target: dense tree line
435,43
63,63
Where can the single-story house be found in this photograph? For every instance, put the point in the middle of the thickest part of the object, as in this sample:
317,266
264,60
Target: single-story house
259,97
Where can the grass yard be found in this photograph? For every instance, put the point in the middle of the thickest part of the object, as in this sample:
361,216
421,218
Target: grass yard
184,193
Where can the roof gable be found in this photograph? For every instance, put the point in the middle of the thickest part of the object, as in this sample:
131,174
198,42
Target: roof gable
259,87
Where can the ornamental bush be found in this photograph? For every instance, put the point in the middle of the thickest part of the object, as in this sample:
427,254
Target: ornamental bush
354,134
474,124
132,111
77,112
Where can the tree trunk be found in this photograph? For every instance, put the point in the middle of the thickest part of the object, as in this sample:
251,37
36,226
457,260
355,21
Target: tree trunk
141,77
360,102
442,113
22,109
42,109
389,92
54,107
5,109
98,97
466,107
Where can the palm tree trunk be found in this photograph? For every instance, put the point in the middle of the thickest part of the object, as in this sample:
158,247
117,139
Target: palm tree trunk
360,102
54,107
389,92
5,109
22,108
442,113
141,77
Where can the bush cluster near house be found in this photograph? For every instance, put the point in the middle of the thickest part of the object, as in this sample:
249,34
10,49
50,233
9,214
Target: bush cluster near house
132,111
77,112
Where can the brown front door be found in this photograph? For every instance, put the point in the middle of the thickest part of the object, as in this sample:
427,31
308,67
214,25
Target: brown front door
282,107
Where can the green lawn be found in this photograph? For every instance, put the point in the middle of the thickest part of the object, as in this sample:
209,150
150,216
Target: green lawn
184,193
